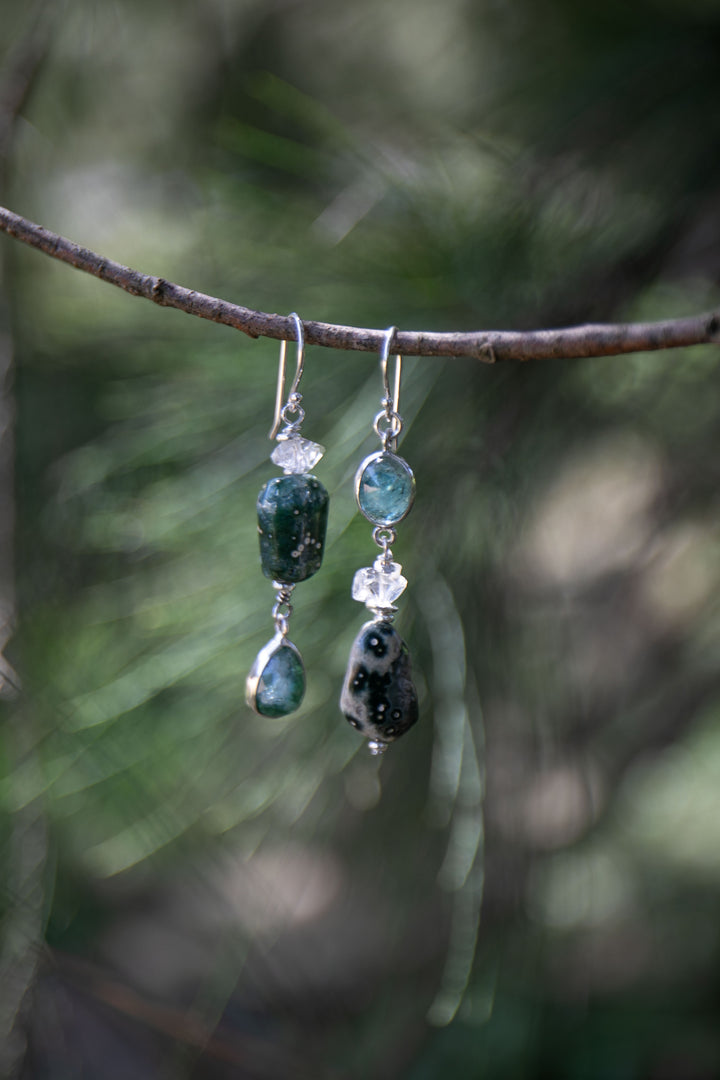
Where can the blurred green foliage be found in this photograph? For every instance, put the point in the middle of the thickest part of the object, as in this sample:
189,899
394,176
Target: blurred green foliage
439,167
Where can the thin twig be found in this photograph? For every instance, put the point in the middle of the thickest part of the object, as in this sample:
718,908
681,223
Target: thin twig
486,345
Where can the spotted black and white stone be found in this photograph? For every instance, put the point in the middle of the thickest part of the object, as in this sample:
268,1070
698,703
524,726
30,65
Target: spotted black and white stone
378,697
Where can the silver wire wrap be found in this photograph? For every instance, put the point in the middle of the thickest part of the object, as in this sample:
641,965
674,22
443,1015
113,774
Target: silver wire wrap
291,407
282,608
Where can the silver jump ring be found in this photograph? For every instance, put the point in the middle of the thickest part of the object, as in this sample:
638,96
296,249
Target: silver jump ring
281,613
384,536
387,427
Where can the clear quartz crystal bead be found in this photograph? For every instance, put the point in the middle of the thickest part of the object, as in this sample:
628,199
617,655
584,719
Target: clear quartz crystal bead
297,455
378,586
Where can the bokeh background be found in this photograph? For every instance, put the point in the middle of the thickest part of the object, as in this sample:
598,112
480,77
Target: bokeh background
528,884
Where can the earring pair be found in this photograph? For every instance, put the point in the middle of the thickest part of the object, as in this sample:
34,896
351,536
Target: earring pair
292,512
378,696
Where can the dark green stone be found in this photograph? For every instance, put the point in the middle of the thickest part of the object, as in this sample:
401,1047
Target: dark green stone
292,520
281,687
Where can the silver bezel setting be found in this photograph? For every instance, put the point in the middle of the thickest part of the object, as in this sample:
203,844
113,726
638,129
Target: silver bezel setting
358,479
260,663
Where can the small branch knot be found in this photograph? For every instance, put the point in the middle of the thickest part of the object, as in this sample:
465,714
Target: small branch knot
486,352
157,293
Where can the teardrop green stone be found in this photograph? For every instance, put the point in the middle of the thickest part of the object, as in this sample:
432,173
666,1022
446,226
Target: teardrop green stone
281,686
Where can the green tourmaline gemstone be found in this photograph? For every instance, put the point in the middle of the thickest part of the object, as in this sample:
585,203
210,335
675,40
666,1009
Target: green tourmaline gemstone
281,686
292,520
385,488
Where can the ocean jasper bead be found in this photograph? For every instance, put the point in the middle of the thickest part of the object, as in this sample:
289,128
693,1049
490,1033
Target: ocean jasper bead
292,520
385,488
378,696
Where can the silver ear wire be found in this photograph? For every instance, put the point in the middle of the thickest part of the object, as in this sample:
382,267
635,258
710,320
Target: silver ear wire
394,401
292,405
388,423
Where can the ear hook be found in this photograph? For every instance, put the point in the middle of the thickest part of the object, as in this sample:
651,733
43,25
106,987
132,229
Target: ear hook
292,405
388,423
392,404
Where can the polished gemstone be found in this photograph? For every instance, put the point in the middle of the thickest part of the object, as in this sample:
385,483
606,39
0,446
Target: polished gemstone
292,520
378,697
276,684
378,586
385,488
297,455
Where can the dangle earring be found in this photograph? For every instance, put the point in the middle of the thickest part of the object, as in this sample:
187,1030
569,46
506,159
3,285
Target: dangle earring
292,519
378,696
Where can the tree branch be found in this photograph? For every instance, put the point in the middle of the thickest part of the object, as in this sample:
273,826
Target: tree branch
487,345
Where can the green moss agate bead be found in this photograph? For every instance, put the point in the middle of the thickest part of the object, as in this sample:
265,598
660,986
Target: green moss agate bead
292,520
385,488
276,684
